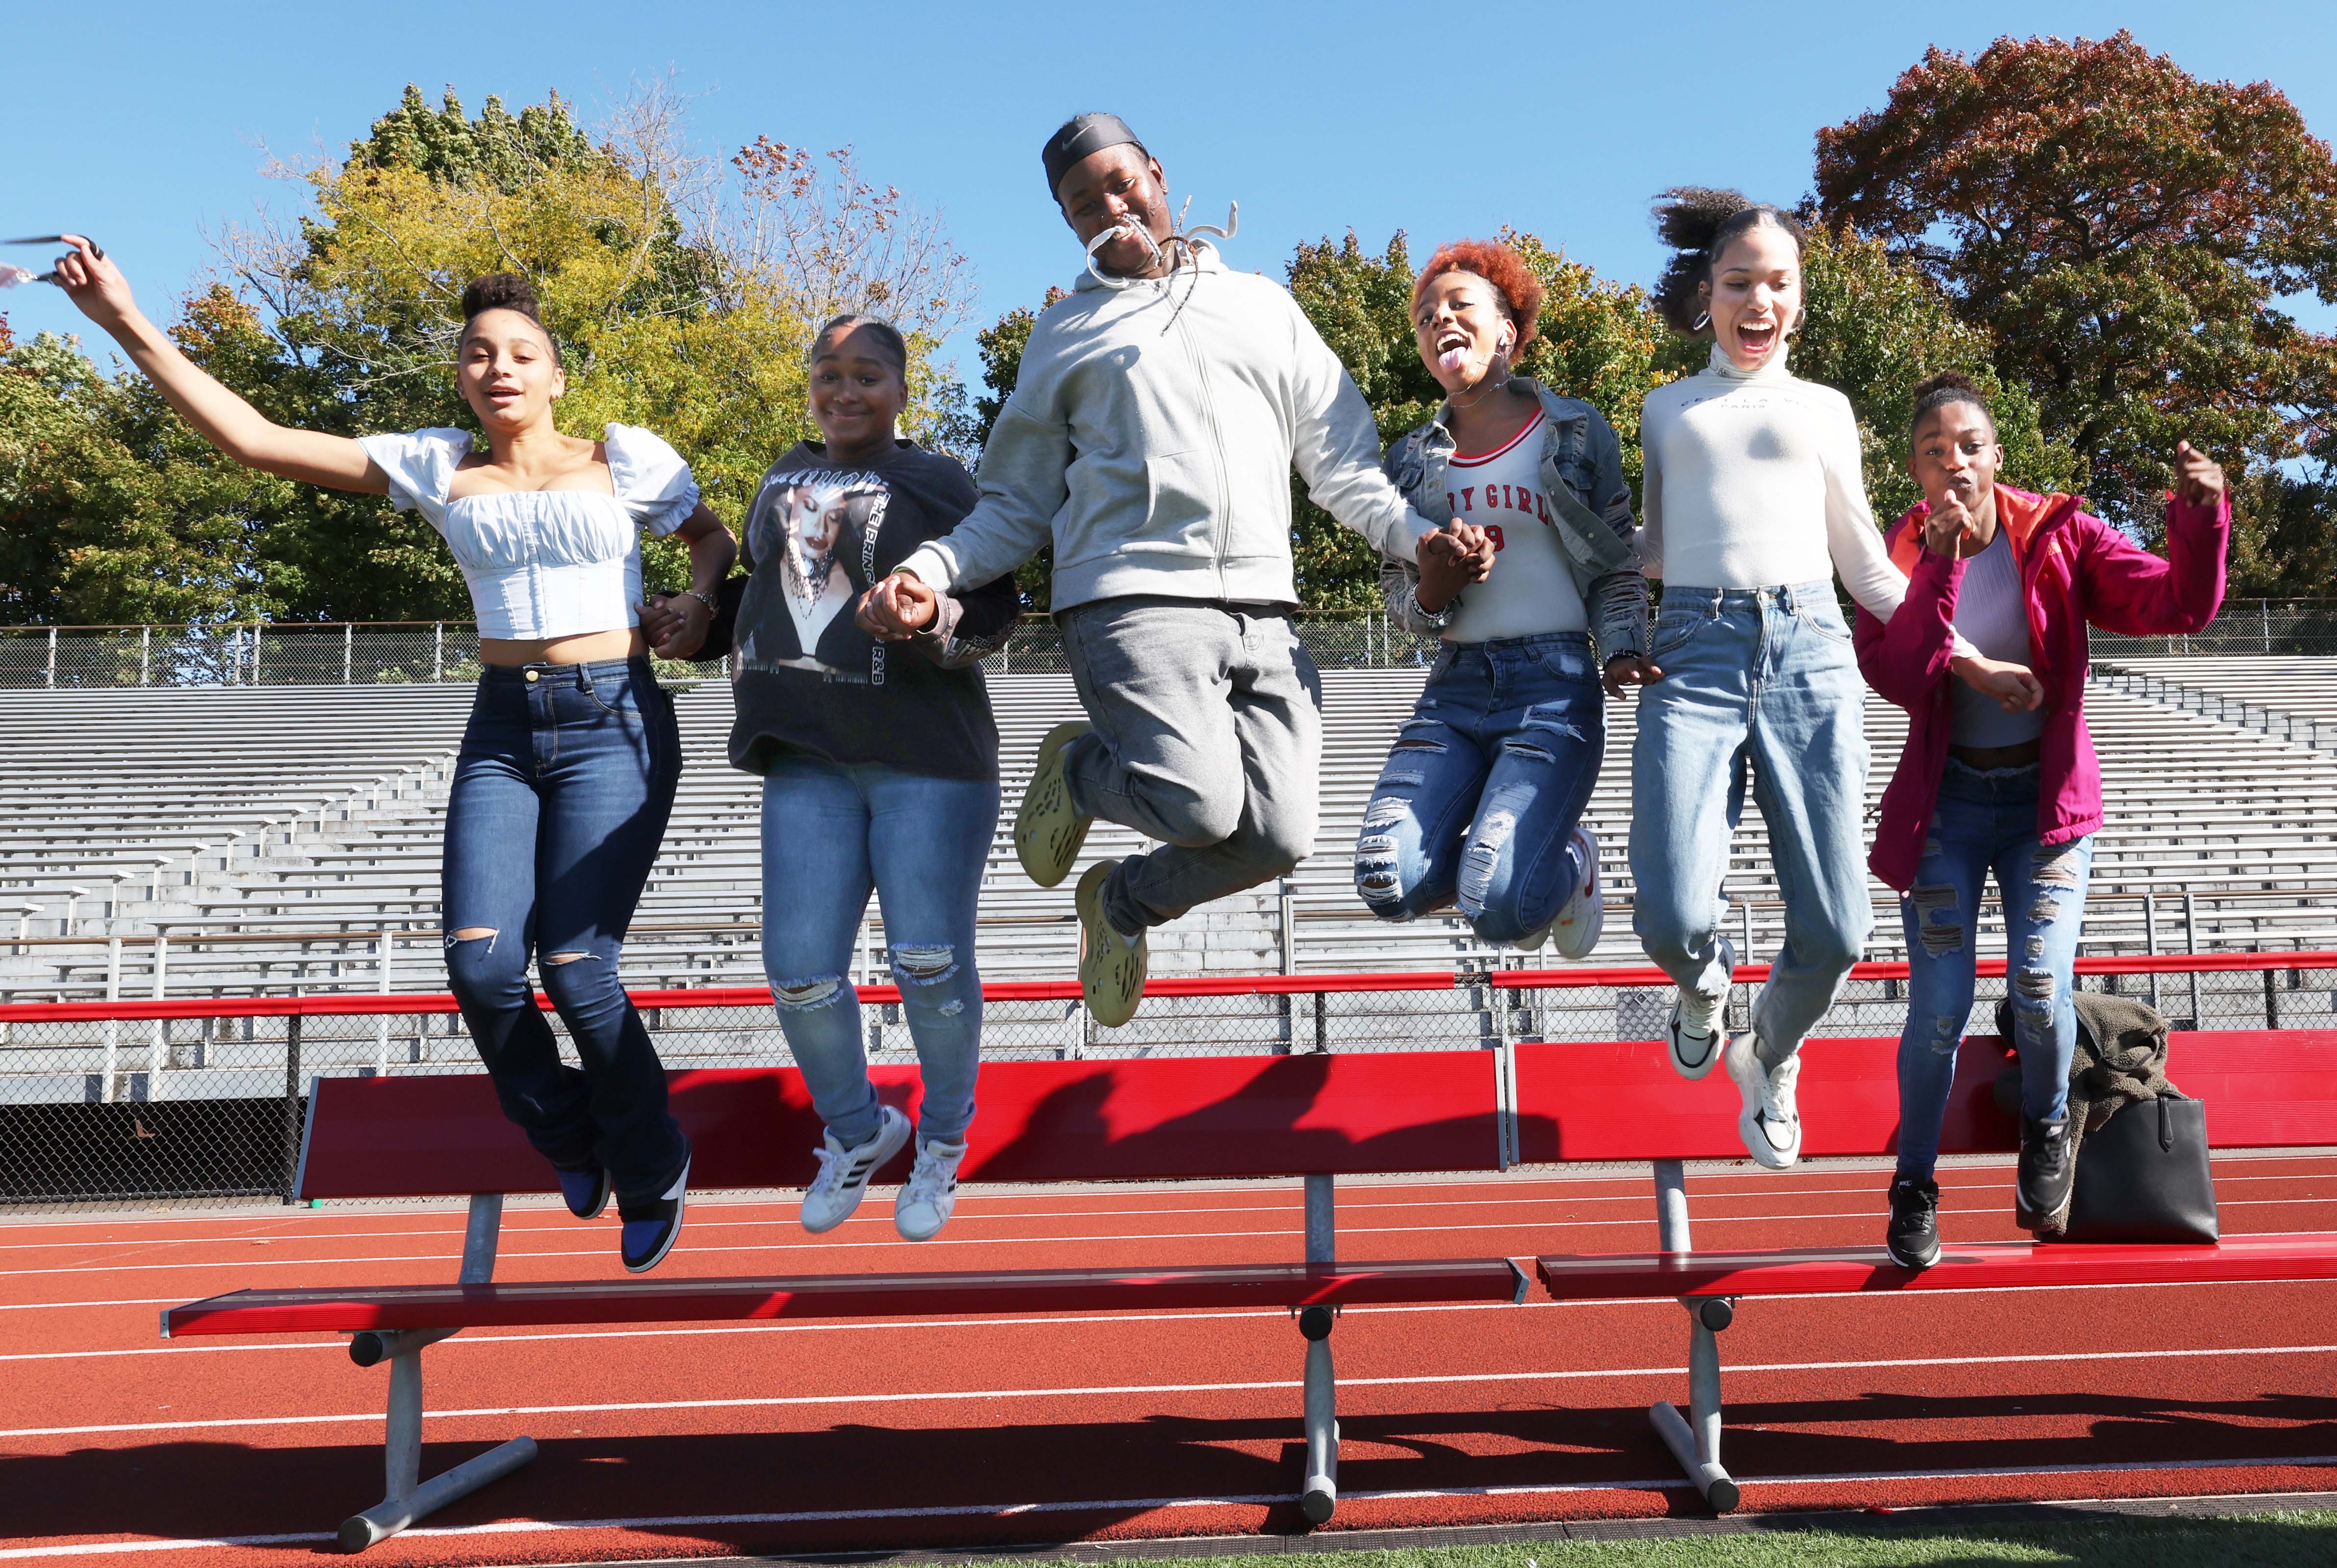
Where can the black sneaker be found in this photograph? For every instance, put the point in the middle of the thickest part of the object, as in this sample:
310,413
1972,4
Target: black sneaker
651,1224
2041,1190
1914,1239
586,1192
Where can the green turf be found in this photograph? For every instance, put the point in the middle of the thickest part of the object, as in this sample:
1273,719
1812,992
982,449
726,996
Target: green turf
2286,1540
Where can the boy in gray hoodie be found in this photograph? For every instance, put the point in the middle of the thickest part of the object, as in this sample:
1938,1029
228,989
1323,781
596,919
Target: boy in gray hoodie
1150,437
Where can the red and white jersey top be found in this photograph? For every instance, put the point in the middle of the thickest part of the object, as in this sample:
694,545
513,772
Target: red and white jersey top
1532,591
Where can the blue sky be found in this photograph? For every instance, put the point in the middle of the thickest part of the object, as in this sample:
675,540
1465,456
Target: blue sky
144,124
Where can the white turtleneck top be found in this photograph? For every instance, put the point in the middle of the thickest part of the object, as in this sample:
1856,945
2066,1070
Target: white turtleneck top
1753,480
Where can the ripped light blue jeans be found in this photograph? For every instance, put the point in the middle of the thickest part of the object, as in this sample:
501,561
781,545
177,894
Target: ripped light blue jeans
1478,803
1984,822
832,832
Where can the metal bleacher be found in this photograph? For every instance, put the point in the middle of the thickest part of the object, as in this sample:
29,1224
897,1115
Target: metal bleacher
287,837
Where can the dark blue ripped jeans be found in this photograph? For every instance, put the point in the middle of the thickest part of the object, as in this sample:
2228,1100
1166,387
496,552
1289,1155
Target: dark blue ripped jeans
561,795
1479,800
1986,822
832,831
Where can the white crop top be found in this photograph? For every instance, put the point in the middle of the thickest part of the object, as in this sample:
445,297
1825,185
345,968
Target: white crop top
545,564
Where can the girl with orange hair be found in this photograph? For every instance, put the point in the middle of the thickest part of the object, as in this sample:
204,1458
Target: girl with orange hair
1480,802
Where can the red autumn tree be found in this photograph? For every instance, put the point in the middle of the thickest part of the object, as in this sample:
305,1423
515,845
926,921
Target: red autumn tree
2126,234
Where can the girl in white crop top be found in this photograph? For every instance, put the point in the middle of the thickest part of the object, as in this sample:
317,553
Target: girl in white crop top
572,755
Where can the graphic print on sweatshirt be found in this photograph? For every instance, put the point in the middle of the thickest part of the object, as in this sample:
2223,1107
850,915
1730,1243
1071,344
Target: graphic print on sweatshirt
820,526
1531,589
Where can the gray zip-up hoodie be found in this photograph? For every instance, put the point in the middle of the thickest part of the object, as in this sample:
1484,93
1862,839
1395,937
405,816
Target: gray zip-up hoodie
1151,436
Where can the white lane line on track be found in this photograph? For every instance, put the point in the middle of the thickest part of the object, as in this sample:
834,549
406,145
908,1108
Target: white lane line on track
1569,1375
939,1241
1230,1500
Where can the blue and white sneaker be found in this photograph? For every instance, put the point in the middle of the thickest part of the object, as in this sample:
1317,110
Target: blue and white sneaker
651,1225
586,1192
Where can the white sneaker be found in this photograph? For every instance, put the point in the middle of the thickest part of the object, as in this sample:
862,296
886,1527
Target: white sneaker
1582,918
930,1192
1111,966
842,1179
1048,832
1771,1123
1693,1035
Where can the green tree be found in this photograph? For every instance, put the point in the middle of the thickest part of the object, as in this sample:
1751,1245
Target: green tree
1874,327
683,300
2124,232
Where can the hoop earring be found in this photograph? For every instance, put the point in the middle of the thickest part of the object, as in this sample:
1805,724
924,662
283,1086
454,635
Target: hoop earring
1703,320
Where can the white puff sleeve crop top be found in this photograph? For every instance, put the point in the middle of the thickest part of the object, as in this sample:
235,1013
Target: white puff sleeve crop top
545,564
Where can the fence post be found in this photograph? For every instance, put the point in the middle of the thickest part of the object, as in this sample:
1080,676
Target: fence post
145,655
438,652
53,656
112,1026
2265,605
2191,944
158,1049
2150,941
1289,927
292,1108
349,652
383,947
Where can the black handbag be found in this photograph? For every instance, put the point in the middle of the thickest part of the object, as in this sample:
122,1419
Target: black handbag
2142,1176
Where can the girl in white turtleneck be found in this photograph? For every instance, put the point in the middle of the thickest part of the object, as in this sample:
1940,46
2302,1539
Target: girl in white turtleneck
1752,503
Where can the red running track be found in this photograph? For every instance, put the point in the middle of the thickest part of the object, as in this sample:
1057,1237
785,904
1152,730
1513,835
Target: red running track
678,1440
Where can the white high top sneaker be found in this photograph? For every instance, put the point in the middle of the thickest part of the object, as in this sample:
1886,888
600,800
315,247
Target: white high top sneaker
930,1192
1771,1123
1582,918
1693,1035
842,1179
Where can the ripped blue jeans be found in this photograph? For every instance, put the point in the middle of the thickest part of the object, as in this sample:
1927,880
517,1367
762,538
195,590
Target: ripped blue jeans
1984,822
1479,800
833,831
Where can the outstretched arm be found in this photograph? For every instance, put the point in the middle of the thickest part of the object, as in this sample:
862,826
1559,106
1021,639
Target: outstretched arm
2133,593
97,287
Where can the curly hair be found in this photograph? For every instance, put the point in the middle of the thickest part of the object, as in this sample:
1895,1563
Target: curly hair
1697,221
1934,392
505,291
1515,288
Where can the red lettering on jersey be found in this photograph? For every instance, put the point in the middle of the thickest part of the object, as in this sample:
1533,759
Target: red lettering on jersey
1541,505
1451,502
1467,503
1493,532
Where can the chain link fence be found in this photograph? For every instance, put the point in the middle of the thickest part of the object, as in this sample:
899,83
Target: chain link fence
207,1104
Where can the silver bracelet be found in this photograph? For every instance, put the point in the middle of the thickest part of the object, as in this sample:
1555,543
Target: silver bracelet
712,607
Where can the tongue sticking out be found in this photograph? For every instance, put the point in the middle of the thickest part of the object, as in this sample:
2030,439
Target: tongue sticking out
1449,360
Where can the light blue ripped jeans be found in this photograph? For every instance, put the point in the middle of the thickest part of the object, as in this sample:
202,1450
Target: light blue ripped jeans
1478,803
831,832
1986,822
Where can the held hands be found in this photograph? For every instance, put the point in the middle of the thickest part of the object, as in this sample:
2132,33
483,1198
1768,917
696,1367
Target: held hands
96,285
1627,669
2012,685
1450,559
898,608
2198,478
675,624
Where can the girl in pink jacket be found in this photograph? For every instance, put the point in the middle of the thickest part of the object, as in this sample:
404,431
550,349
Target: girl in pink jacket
1999,772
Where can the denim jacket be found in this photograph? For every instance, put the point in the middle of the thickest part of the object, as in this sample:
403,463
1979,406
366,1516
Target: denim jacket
1582,473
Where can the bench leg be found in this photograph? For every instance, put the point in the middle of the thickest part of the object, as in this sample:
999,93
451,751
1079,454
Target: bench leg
1695,1440
1320,1494
406,1496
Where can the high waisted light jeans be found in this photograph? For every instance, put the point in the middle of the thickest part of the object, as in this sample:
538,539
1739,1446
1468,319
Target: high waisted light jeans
1759,682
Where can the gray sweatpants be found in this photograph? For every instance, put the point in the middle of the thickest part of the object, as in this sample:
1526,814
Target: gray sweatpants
1208,737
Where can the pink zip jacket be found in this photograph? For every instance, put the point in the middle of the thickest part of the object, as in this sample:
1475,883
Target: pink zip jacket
2074,568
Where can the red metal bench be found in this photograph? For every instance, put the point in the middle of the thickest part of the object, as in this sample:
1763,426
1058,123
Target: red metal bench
1603,1101
1317,1116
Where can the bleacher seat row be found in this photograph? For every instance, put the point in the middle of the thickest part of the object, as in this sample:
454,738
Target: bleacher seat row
251,825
